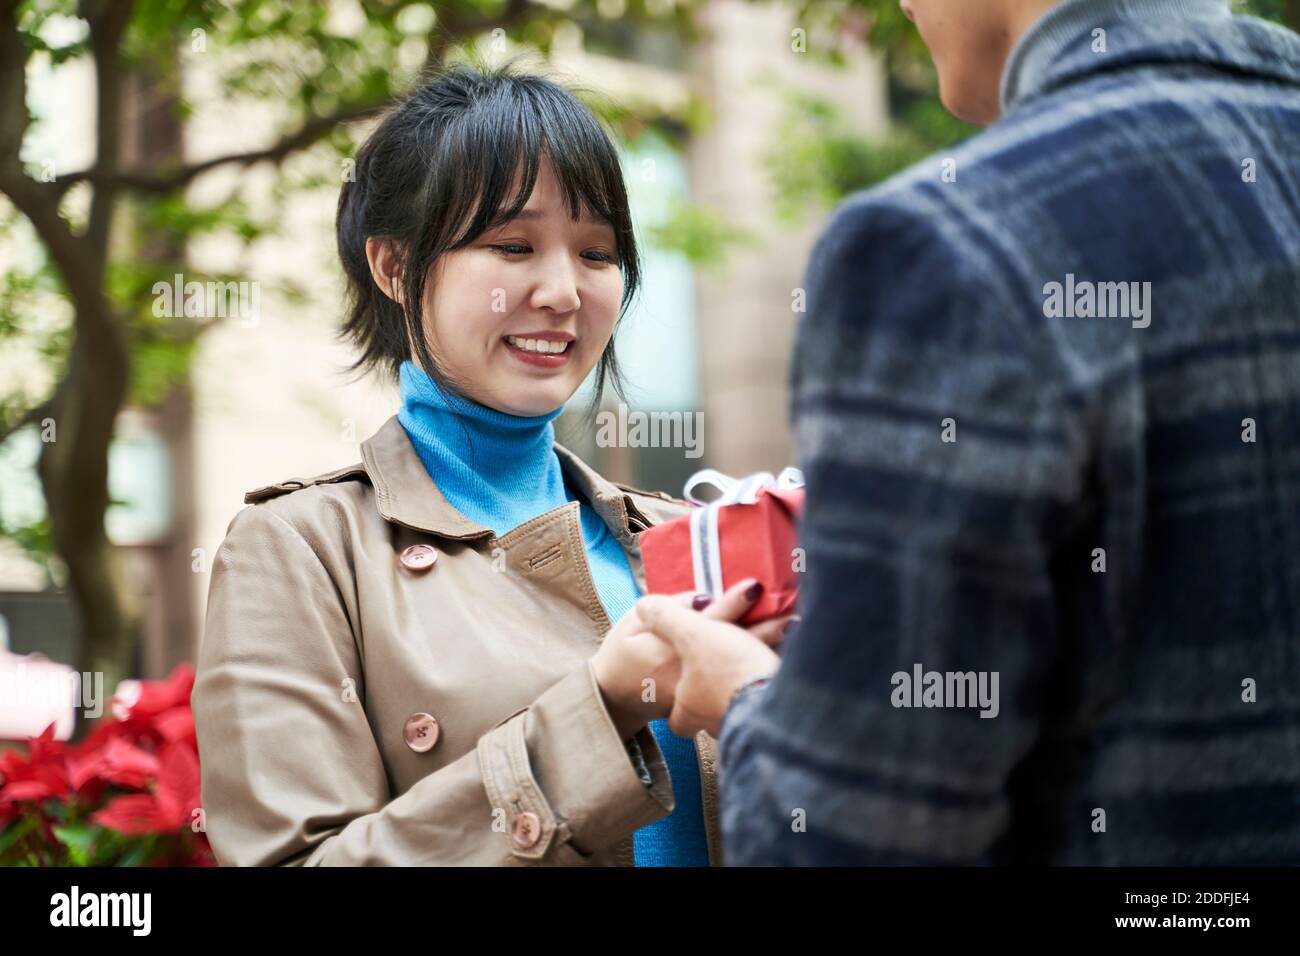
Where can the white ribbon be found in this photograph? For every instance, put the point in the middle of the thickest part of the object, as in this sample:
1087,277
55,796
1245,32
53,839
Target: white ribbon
706,552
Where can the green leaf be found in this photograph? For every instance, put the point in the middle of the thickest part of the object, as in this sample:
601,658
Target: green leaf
79,839
138,853
12,834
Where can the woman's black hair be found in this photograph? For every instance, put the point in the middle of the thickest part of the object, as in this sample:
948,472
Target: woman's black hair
436,174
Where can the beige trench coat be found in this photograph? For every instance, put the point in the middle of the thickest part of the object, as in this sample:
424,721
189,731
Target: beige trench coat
382,681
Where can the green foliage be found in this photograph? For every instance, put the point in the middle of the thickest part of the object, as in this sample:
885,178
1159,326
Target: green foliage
820,160
702,235
36,541
1268,9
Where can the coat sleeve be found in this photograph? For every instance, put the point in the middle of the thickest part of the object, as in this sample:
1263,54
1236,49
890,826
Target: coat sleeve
292,773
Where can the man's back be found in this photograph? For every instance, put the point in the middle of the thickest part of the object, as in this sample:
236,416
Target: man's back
1047,397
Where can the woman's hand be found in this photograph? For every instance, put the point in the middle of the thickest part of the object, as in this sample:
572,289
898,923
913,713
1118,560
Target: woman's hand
638,673
714,657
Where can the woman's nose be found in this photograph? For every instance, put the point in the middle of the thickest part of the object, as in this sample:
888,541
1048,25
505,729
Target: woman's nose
557,287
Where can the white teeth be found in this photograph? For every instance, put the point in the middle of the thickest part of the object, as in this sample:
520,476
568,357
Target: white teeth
537,345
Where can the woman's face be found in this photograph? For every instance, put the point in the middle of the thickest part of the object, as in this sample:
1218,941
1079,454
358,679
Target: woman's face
519,316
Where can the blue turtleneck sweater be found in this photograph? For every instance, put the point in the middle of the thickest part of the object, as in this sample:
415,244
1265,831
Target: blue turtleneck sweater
501,470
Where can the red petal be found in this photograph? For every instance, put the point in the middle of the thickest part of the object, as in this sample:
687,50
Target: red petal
177,725
178,780
30,790
35,782
117,762
45,747
133,813
158,696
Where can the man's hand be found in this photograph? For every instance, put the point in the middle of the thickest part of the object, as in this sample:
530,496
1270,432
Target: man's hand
715,657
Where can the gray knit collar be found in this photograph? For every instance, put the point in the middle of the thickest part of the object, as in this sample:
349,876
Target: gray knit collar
1066,32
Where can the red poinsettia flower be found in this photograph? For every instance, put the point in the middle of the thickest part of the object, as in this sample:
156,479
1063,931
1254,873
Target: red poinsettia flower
161,713
159,696
38,774
168,808
117,762
145,744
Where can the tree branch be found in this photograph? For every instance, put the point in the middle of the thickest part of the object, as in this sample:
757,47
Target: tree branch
34,200
158,182
167,181
31,417
449,28
108,20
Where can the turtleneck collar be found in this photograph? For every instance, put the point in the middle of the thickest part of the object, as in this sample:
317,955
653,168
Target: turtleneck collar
467,428
497,469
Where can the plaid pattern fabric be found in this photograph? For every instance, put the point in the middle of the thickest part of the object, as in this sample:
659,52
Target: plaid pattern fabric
1103,512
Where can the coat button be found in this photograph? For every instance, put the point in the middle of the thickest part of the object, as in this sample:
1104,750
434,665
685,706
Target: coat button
527,830
421,732
418,557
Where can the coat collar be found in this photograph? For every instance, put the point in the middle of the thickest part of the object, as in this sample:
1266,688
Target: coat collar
1058,47
407,495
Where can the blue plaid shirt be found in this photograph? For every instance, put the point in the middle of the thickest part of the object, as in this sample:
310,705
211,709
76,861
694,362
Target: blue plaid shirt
1015,473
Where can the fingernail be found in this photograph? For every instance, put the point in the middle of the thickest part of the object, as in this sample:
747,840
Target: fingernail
753,591
701,601
789,626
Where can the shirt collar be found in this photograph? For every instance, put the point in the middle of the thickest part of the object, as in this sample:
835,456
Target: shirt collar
1059,44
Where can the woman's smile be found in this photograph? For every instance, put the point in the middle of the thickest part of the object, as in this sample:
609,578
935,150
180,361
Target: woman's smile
541,349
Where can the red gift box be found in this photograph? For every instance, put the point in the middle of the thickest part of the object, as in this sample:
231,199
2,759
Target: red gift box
747,532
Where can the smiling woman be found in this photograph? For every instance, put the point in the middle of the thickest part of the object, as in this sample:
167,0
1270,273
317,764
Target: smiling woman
410,660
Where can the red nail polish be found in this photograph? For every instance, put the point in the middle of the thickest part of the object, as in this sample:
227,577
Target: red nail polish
753,591
701,601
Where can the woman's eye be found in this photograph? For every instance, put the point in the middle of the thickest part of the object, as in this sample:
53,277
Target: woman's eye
514,249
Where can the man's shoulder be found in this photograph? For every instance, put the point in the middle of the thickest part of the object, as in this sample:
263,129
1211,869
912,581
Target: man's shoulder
918,218
1032,185
980,182
915,203
1103,125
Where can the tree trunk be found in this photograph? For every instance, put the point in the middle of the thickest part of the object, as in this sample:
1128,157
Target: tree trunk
74,475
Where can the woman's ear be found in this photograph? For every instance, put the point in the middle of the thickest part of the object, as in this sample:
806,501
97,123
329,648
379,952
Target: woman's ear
385,268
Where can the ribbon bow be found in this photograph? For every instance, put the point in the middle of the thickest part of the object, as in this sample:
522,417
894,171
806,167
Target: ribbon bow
706,551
